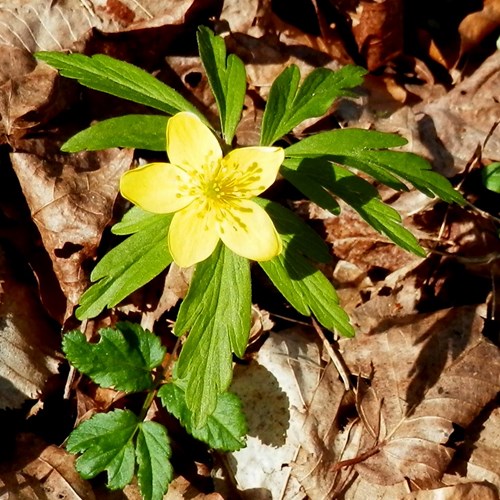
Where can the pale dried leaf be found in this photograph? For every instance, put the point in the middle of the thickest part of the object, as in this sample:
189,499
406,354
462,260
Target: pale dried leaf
464,491
430,372
479,456
312,467
71,200
59,25
27,355
275,389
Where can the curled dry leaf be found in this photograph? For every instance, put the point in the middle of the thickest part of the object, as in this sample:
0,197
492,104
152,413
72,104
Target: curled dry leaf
477,26
71,200
25,88
27,359
42,471
378,30
431,372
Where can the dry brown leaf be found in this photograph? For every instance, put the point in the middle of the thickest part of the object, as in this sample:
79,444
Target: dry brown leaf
378,30
464,491
25,88
478,459
475,27
59,25
71,200
27,339
42,471
430,373
312,467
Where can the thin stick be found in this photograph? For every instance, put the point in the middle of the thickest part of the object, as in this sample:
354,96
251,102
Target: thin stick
334,356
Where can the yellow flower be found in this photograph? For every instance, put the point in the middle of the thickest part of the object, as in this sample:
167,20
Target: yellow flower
210,194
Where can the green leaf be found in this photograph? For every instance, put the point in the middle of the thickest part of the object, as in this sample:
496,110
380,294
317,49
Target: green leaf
129,131
153,452
357,193
128,266
307,289
304,287
288,105
227,79
118,78
491,177
216,312
225,428
123,358
297,233
106,443
366,150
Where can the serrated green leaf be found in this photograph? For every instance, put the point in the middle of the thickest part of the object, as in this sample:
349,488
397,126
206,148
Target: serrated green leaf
357,193
123,358
106,443
227,79
118,78
216,312
366,150
128,266
491,177
288,105
296,232
225,428
134,220
154,472
129,131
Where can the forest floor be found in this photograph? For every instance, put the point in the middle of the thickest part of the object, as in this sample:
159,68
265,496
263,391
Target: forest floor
414,412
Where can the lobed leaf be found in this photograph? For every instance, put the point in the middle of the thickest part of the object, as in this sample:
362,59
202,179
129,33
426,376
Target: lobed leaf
123,358
128,266
303,286
118,78
356,192
288,105
227,79
129,131
366,150
216,312
154,472
105,441
225,428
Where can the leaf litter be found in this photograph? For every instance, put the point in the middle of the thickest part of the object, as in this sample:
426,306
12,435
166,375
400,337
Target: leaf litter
420,418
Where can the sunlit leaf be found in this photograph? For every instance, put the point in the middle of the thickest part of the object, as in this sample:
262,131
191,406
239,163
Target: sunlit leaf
123,358
366,150
225,428
129,131
118,78
491,176
106,443
227,79
289,105
129,265
357,193
154,472
216,312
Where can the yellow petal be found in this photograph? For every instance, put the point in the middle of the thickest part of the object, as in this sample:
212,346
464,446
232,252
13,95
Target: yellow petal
257,167
192,236
156,187
190,143
248,231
